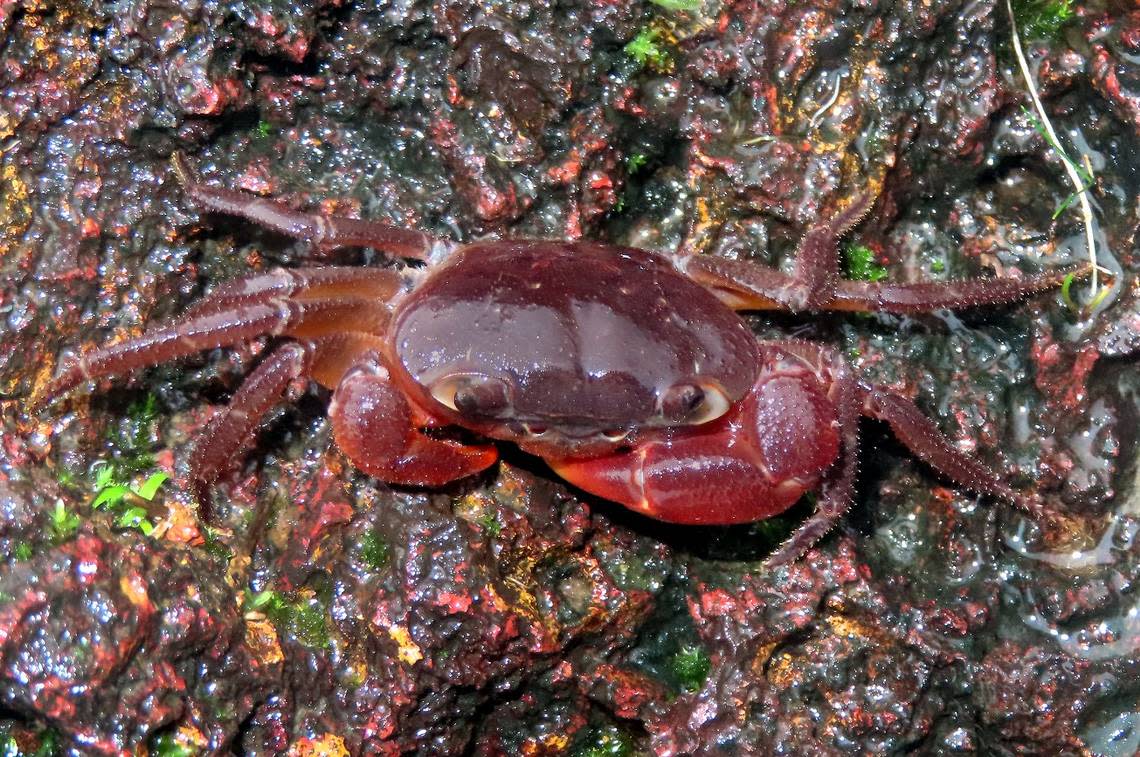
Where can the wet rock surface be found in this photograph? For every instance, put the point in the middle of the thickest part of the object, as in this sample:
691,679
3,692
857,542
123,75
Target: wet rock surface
324,613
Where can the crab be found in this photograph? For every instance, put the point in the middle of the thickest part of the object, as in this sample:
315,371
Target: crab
629,372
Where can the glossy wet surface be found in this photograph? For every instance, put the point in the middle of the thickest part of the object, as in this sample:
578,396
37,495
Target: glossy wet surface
513,614
581,339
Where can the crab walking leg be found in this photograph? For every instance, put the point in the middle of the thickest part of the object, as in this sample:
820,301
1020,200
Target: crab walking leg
321,282
219,329
750,286
230,432
337,354
742,285
913,429
837,490
813,285
374,425
817,256
928,444
924,296
322,230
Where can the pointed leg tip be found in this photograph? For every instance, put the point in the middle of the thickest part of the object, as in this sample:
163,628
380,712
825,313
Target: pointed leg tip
40,398
181,168
38,402
798,544
44,396
778,560
1034,506
200,491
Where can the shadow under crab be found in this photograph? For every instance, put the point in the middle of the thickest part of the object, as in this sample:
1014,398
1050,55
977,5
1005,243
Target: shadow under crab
629,373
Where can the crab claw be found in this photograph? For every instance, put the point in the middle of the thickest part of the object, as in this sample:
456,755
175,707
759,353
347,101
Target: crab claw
373,425
753,463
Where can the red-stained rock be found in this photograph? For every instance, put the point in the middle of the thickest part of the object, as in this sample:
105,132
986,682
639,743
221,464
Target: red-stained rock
510,614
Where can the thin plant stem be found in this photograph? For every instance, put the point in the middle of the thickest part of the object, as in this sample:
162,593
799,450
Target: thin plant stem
1079,186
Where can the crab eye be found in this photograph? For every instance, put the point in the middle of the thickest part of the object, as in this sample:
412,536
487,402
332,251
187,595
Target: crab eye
692,405
472,394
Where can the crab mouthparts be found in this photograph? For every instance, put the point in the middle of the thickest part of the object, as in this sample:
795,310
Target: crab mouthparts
565,429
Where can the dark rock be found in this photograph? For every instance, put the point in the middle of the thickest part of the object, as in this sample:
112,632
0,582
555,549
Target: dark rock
510,613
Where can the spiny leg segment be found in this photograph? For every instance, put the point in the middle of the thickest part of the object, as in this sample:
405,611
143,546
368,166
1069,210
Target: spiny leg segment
749,286
323,231
918,432
232,430
325,359
314,305
838,488
914,429
300,284
316,301
815,284
372,421
337,314
817,257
